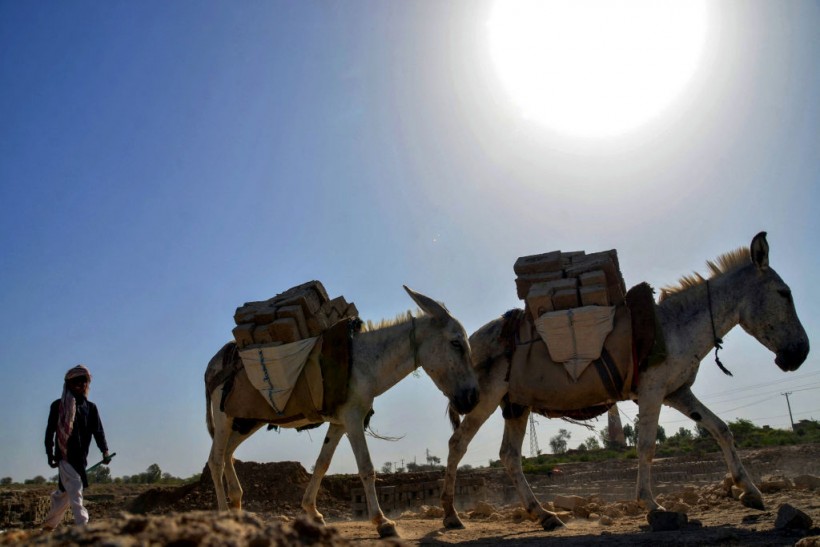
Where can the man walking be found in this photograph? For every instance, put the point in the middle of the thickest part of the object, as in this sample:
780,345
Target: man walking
72,421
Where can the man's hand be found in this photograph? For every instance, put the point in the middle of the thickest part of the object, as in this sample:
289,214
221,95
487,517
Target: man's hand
52,461
106,458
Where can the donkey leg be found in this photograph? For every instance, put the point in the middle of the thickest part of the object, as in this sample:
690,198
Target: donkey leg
514,430
216,459
649,409
458,444
355,434
234,488
684,401
332,437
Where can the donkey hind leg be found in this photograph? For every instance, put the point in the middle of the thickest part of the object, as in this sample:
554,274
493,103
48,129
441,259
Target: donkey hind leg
514,430
332,437
355,434
216,459
459,442
234,488
649,410
684,401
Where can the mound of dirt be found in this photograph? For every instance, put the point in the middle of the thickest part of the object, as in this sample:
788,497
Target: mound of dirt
198,528
275,488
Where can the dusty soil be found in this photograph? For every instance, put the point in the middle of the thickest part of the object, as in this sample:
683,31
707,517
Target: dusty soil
127,515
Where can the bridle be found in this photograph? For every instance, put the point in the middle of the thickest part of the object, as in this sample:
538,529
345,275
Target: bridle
717,340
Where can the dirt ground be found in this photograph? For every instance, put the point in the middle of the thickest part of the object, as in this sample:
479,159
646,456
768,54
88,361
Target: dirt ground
594,511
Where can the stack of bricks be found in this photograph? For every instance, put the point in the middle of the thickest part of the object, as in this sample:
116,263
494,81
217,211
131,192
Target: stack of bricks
298,313
563,280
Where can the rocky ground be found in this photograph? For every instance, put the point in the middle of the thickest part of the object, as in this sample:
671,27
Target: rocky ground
701,512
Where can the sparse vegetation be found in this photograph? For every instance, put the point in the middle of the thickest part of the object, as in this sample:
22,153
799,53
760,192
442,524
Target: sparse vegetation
683,442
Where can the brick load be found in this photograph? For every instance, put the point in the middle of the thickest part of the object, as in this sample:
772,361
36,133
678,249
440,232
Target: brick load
300,312
563,280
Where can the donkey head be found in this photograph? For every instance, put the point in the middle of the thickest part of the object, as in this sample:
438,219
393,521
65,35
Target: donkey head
443,351
767,312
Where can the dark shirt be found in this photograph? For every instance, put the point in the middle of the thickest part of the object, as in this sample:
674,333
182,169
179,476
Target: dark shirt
87,424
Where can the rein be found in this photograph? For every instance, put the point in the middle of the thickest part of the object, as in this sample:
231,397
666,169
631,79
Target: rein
717,340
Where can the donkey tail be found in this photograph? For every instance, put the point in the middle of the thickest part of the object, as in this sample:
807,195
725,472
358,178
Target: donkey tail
209,415
455,417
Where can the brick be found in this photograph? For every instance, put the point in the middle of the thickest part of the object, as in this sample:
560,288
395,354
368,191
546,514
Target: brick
316,324
594,295
595,277
547,262
243,334
524,282
284,330
294,312
261,335
565,299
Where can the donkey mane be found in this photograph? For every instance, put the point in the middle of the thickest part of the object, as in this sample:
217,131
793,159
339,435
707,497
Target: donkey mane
400,319
725,263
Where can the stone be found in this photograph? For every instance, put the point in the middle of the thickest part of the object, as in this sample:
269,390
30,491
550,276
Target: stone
792,518
666,521
568,502
807,482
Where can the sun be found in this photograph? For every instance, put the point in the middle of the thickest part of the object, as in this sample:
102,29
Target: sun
596,68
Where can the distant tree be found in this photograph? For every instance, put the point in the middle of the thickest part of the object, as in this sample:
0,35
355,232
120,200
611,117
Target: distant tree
591,444
387,467
6,480
702,432
630,434
660,436
432,461
39,479
100,475
153,474
683,433
412,467
465,467
558,443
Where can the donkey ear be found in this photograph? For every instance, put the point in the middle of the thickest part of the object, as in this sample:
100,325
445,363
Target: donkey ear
427,304
760,251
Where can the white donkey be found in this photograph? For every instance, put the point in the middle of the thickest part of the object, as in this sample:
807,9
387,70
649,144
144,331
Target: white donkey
436,341
742,290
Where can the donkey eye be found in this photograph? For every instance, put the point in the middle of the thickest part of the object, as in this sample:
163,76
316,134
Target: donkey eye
456,344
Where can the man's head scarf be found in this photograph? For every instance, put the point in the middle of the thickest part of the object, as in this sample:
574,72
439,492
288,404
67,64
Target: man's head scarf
68,408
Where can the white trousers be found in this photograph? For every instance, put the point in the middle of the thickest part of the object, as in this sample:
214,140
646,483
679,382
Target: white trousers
73,496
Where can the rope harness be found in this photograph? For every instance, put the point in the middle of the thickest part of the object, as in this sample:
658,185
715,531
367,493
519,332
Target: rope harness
718,341
414,344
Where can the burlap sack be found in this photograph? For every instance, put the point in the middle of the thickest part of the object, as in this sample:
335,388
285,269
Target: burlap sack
538,382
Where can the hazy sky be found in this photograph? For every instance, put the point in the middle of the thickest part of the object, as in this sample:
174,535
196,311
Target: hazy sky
163,163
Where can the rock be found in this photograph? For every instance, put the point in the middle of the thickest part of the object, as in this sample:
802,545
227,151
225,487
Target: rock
792,518
807,482
568,502
605,520
775,483
665,521
813,541
482,510
431,512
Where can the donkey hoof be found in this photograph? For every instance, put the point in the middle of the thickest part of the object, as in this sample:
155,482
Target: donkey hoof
551,522
752,501
452,522
387,530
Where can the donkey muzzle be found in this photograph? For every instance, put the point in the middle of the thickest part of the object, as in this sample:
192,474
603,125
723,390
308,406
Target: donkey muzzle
465,400
792,357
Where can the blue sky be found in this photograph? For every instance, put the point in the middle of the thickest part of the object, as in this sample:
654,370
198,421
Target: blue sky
163,163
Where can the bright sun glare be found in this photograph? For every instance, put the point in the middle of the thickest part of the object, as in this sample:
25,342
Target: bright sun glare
596,68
